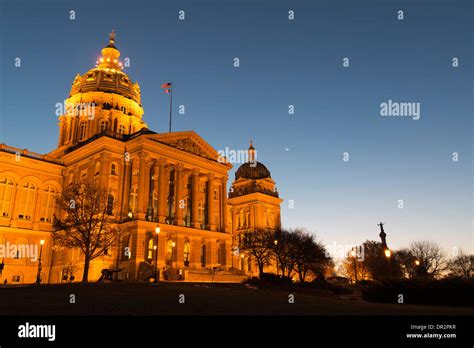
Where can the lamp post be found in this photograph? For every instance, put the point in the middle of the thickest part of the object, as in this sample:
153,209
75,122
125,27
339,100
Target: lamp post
38,274
155,247
173,244
388,254
417,268
276,257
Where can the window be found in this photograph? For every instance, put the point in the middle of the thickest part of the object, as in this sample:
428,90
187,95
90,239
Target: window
110,204
187,212
6,193
47,206
113,169
169,250
187,249
121,129
17,278
149,255
103,126
82,130
27,201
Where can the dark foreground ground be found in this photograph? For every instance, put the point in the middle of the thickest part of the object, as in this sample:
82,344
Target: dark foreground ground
200,299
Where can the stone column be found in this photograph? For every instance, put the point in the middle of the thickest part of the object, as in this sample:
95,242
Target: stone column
147,193
179,251
179,207
141,185
126,172
195,199
61,131
163,181
105,170
16,196
224,205
162,238
195,257
211,252
73,128
156,190
37,208
210,202
228,253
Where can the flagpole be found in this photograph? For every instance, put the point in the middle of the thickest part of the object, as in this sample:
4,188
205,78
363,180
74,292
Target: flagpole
171,104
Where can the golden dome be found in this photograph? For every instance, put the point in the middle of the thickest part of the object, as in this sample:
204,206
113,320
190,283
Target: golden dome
107,76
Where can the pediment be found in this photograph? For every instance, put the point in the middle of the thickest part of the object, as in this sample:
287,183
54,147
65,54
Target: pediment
188,141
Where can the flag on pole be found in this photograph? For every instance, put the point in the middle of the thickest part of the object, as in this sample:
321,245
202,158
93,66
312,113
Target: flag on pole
166,85
167,90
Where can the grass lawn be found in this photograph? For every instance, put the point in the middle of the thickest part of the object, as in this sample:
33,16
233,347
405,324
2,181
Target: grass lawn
200,299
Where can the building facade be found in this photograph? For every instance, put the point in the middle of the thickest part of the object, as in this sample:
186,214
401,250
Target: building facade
175,181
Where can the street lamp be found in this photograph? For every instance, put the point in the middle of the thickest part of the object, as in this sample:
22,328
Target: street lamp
388,254
173,244
276,257
38,274
155,247
417,262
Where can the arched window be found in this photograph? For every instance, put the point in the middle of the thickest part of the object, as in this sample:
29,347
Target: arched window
6,194
187,253
149,252
103,126
121,129
97,169
169,250
187,212
113,169
47,204
82,130
115,125
27,201
110,204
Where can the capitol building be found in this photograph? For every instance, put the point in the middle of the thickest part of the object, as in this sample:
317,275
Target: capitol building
175,181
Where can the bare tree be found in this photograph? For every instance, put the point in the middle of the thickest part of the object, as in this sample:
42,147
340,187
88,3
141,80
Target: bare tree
460,266
310,255
429,257
258,244
284,248
354,268
86,222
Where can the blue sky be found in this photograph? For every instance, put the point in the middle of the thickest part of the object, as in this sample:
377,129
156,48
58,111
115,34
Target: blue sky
282,62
